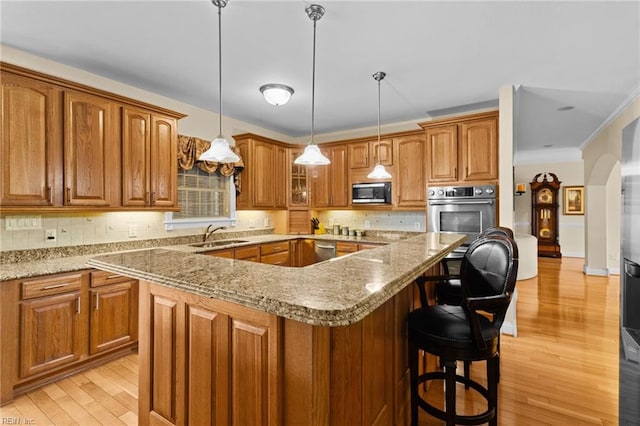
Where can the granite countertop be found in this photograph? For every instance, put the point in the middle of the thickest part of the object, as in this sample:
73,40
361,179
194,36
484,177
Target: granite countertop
33,263
336,292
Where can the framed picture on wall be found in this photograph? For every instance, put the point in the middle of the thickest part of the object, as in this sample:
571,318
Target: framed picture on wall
573,200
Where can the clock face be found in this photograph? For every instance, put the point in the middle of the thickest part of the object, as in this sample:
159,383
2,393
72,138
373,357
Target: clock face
545,196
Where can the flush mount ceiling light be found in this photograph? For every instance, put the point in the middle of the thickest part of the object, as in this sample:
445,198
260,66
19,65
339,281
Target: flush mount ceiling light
312,155
219,151
379,172
276,94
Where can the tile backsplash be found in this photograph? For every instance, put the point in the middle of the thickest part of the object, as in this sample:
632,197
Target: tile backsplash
71,229
375,220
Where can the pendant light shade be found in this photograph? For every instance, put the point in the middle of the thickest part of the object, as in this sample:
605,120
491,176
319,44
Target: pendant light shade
312,155
276,94
219,151
379,172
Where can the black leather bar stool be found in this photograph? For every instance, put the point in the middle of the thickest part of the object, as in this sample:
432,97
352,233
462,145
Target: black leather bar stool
468,332
448,290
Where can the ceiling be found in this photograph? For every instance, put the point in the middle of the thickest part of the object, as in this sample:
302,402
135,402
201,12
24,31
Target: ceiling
440,57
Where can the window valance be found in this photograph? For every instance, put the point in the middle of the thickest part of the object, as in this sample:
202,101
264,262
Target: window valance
189,150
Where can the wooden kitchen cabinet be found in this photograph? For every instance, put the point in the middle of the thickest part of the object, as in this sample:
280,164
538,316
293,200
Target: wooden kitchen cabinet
275,253
249,253
53,323
264,179
302,252
62,147
114,311
365,154
91,151
31,151
330,181
343,247
149,147
462,149
409,180
298,180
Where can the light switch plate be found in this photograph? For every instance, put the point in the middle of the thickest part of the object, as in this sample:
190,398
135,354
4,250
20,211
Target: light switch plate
133,230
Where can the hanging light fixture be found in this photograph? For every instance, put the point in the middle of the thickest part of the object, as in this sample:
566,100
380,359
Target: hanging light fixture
276,94
219,151
379,172
312,155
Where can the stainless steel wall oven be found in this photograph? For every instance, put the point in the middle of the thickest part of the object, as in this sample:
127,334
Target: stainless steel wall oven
465,210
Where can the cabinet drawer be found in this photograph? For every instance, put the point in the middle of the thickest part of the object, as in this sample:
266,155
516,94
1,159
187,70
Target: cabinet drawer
346,247
220,253
281,258
274,247
251,253
367,246
100,278
49,285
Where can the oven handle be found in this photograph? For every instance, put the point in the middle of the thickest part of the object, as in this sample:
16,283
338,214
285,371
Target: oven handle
465,202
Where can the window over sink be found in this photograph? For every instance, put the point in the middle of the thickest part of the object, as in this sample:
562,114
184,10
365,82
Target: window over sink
204,198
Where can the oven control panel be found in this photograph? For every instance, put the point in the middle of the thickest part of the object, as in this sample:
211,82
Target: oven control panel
443,192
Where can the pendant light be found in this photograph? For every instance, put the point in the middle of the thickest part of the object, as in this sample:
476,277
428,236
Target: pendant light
312,155
379,172
219,151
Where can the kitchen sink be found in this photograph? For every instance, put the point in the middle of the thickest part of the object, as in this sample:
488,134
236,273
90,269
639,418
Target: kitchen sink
218,243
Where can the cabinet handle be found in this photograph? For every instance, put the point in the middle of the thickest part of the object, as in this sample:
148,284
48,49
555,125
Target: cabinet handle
49,195
78,305
455,173
52,286
68,195
466,171
148,198
110,277
97,301
153,198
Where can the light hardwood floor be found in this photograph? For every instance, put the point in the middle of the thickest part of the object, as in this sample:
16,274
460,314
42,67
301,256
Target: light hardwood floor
562,369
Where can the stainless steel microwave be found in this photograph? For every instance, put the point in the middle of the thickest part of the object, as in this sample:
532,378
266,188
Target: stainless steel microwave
371,193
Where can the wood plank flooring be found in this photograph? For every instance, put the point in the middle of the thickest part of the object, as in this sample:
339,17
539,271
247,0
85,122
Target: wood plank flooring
562,369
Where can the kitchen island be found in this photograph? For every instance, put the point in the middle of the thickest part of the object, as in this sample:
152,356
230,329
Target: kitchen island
226,341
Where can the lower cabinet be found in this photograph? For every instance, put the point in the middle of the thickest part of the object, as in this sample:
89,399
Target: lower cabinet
114,311
53,325
206,361
275,253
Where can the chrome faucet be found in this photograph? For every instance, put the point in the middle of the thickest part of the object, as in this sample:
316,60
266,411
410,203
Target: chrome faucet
210,231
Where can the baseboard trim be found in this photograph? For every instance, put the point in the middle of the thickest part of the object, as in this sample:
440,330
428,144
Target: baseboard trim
595,271
509,327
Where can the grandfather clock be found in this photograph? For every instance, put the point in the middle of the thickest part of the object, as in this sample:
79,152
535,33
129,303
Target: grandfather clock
544,214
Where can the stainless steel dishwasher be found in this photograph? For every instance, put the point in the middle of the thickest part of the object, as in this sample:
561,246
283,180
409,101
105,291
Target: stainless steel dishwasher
325,250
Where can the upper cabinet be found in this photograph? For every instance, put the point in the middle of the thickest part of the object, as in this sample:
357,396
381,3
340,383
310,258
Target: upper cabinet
31,143
263,183
71,147
149,146
330,181
365,154
462,149
91,151
409,181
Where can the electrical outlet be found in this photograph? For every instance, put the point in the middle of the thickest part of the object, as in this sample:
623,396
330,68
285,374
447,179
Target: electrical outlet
367,224
50,235
265,222
133,230
416,226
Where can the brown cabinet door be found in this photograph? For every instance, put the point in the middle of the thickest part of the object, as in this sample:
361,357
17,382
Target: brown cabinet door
442,153
343,248
164,161
359,155
298,181
410,181
52,332
339,195
31,152
244,190
136,145
264,154
280,184
114,316
382,154
91,151
321,178
248,253
479,149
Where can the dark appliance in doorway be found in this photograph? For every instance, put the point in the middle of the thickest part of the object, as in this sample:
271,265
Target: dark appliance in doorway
629,395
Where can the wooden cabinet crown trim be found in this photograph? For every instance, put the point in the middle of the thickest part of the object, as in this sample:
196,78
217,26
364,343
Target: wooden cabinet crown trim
459,118
67,84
